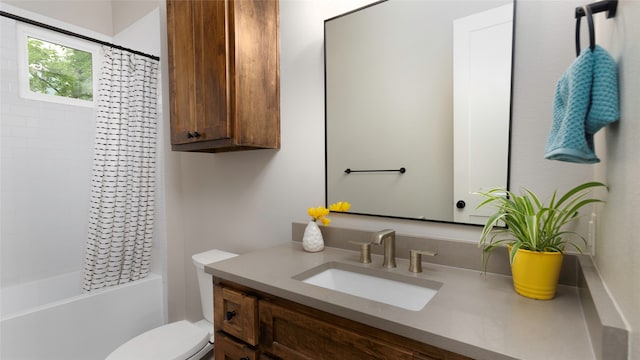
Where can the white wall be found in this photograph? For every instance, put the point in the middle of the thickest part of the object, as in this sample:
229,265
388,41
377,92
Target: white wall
115,15
618,246
128,13
143,34
46,163
94,15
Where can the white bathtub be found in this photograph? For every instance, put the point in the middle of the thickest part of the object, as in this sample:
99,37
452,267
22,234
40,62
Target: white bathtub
52,319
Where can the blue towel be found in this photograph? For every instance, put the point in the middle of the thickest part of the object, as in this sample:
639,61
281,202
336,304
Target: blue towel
586,100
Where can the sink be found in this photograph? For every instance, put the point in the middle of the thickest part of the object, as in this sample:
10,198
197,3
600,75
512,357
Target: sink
390,288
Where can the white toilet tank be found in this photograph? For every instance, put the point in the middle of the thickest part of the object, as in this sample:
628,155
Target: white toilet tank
205,281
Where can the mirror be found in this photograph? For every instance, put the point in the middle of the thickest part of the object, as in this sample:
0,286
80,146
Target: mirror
423,86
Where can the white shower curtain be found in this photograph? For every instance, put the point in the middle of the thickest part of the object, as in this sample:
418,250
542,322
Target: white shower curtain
121,212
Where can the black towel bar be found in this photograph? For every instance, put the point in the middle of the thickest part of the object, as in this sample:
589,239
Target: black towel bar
402,170
610,6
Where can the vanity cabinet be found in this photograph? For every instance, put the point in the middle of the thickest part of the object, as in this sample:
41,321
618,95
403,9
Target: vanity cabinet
224,74
291,331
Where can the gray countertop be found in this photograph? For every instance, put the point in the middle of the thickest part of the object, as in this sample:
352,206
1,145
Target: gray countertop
476,315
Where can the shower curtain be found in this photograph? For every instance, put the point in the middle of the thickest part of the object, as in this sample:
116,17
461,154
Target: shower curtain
121,211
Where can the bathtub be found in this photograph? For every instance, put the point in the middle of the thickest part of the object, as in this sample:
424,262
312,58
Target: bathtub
52,319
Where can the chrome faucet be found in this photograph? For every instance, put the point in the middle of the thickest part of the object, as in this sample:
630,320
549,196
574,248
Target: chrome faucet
386,237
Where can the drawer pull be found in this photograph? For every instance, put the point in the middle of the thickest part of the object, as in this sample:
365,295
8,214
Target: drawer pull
194,134
230,315
244,358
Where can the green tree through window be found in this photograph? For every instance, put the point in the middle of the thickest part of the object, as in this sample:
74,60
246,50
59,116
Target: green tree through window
59,70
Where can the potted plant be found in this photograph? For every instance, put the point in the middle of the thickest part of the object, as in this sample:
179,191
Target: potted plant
535,234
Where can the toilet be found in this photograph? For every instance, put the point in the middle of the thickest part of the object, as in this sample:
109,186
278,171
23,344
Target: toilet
180,340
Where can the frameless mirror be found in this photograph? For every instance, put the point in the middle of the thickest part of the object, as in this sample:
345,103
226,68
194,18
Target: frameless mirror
418,97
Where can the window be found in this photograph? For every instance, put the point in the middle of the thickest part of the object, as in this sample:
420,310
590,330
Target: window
58,70
55,67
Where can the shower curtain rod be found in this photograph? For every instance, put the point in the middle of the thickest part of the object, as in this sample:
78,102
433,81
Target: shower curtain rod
70,33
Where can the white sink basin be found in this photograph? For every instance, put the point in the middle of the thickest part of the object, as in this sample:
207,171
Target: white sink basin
378,285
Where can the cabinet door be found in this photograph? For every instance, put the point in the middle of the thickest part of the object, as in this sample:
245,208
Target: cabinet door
288,334
255,99
212,63
230,349
199,80
236,313
181,69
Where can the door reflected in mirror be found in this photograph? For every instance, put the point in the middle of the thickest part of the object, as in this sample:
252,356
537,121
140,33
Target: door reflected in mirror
420,85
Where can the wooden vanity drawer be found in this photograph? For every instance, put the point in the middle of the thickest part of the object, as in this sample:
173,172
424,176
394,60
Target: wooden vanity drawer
295,332
228,348
236,313
292,335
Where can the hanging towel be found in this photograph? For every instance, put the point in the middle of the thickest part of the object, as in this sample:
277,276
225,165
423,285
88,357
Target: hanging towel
586,100
605,106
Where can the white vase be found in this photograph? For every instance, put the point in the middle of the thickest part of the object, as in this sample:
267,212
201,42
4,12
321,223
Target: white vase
312,240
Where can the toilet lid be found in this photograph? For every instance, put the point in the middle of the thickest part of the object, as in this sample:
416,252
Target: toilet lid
177,340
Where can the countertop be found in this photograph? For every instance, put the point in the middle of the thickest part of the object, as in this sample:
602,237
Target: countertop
473,314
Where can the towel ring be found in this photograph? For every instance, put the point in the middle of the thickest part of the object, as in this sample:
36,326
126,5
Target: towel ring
580,12
610,6
592,31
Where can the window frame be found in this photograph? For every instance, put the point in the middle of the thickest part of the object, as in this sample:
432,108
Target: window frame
25,31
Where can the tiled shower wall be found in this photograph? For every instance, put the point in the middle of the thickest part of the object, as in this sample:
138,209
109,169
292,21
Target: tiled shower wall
46,152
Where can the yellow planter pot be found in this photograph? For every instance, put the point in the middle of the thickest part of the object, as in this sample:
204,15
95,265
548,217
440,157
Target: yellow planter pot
536,274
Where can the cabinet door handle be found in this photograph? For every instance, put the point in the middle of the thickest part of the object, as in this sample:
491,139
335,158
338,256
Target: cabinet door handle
194,134
230,315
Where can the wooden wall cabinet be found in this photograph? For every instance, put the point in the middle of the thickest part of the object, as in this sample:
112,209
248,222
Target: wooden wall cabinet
292,331
224,74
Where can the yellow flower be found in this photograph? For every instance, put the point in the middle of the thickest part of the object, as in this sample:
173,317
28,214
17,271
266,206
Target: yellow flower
321,212
318,212
340,206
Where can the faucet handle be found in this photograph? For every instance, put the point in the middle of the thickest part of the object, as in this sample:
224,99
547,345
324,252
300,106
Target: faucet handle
415,260
365,251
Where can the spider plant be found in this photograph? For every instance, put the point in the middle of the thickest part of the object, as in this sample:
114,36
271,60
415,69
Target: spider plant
531,224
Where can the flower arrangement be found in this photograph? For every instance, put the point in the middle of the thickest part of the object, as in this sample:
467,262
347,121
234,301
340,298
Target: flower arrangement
321,212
